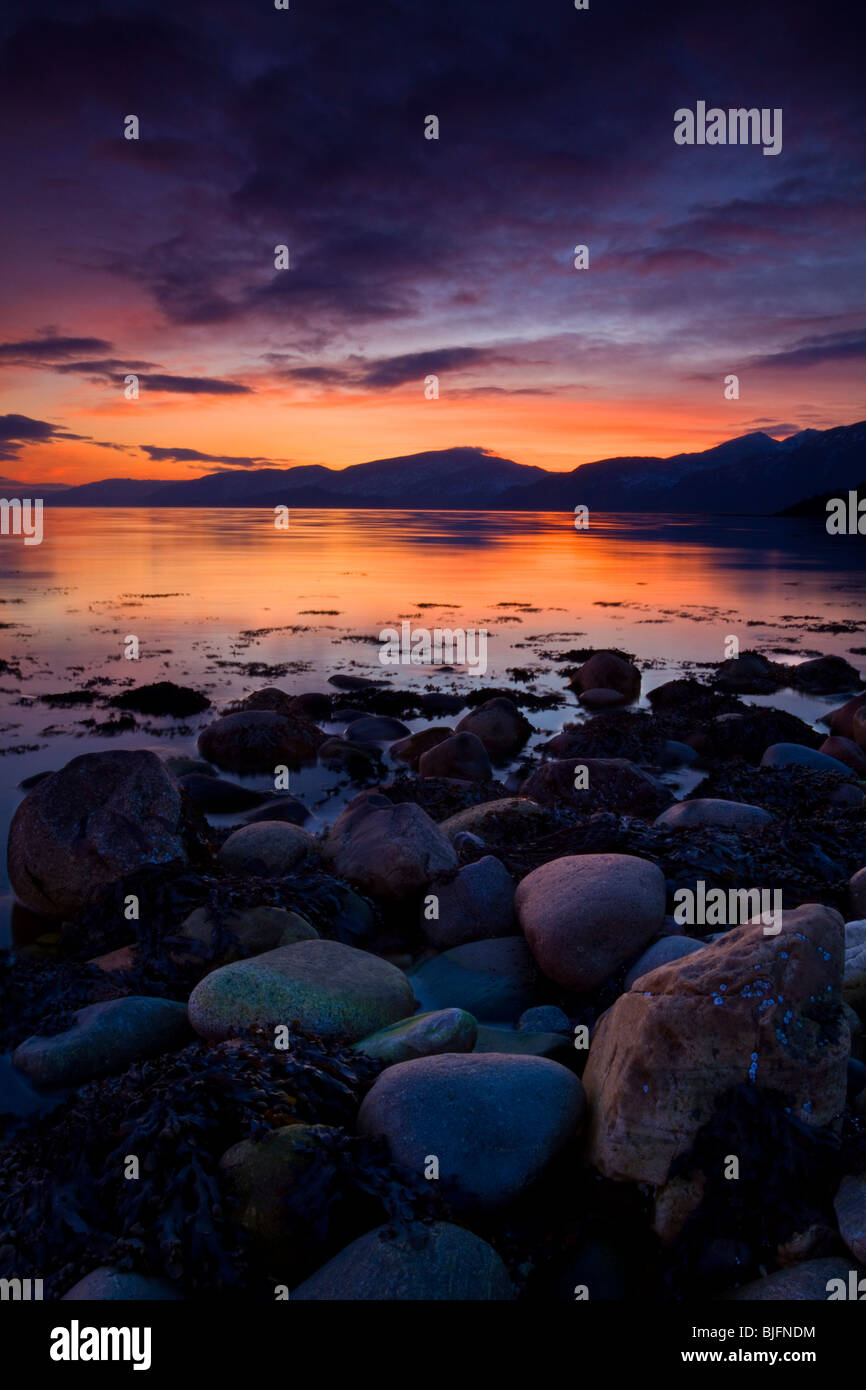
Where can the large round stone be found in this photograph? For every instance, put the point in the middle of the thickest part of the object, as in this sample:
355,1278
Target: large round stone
424,1035
267,848
711,811
607,671
493,1122
260,741
101,817
330,990
104,1039
499,724
439,1261
584,916
477,904
463,755
392,851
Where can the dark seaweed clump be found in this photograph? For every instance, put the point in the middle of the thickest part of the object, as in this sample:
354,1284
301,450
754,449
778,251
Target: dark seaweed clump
66,1207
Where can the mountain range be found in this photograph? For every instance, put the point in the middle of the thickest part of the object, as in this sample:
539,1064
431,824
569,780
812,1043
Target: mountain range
752,475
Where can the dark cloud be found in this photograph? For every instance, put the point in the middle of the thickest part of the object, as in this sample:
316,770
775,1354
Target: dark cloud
814,351
16,431
40,350
161,454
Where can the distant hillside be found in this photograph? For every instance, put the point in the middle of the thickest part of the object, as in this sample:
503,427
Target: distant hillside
817,504
753,475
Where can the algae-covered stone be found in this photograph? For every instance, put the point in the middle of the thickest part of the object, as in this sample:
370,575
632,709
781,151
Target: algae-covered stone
103,1039
424,1035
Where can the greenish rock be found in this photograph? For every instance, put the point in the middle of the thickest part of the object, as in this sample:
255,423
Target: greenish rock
328,989
524,1044
264,1177
438,1262
267,847
494,820
256,929
495,979
104,1039
424,1035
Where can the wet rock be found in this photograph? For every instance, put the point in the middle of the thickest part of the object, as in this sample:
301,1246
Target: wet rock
676,754
217,795
496,822
436,1262
844,750
494,1122
584,916
747,1009
164,697
103,1039
462,755
748,734
268,848
375,728
794,755
260,741
810,1281
106,1284
748,674
607,671
496,979
346,682
826,675
286,808
666,949
709,811
101,817
392,851
254,929
841,720
409,750
313,704
423,1035
612,784
360,760
478,903
546,1018
500,726
601,698
330,990
512,1042
270,699
266,1179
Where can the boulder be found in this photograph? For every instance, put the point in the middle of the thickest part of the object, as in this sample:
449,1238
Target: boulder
495,979
432,1262
826,675
585,916
811,1281
463,755
544,1018
101,817
478,903
850,1207
409,750
260,741
423,1035
795,755
219,796
602,699
391,851
841,720
607,671
499,724
103,1039
249,930
493,1122
844,750
857,893
666,949
750,1008
597,784
375,728
330,990
267,848
710,811
496,821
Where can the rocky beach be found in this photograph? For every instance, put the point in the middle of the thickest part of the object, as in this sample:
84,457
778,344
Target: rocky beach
454,1040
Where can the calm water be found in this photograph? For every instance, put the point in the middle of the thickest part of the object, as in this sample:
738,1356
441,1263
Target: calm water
208,592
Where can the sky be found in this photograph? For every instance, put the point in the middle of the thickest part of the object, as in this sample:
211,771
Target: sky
411,257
